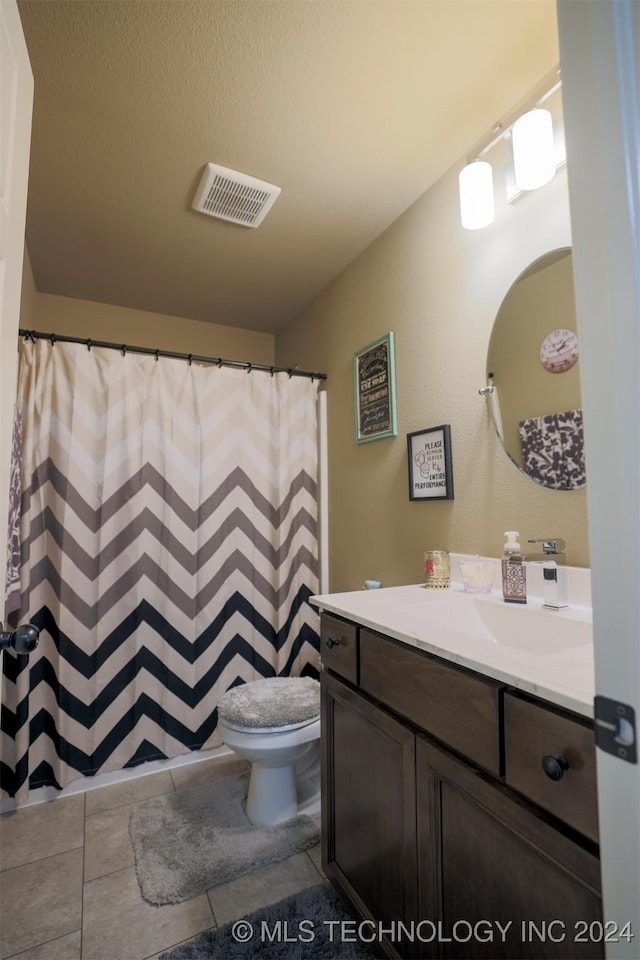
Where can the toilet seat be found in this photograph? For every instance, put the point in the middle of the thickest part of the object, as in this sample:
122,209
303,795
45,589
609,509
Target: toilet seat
257,731
271,703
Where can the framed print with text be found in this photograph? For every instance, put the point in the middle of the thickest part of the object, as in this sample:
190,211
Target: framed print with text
374,384
430,466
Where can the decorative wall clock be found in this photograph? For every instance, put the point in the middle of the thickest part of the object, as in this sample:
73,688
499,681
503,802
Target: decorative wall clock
559,351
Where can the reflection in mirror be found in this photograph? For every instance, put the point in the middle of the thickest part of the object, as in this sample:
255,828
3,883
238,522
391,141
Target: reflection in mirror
533,365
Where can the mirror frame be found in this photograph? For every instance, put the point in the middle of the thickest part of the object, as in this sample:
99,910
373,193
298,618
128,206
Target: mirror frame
526,401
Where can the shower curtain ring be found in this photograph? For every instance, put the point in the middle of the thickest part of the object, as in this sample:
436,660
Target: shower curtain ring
219,362
89,344
190,358
157,354
272,370
124,349
52,338
249,366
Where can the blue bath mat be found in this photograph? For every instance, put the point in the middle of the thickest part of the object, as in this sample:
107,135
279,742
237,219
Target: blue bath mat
314,916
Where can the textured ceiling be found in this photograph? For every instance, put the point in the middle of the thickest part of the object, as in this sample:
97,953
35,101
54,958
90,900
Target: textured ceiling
353,107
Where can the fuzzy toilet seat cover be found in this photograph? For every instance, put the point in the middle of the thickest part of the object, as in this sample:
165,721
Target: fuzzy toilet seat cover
272,702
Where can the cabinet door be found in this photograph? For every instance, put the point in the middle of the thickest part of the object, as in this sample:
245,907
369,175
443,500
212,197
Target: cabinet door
369,814
486,858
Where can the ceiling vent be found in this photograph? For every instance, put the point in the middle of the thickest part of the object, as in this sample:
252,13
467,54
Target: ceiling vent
234,196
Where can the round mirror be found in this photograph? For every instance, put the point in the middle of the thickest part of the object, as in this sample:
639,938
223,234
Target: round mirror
533,367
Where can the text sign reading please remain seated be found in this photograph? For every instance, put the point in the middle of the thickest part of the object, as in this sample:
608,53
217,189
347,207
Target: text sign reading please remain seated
430,465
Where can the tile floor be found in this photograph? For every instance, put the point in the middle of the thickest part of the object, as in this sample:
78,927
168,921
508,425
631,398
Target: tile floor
68,888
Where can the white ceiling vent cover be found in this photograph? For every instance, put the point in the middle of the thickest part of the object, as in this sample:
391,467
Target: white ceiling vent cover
234,196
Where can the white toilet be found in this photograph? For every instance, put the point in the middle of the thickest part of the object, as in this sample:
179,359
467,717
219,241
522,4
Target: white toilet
275,725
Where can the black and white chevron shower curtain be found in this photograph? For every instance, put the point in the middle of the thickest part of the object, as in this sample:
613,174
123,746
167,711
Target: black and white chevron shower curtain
168,550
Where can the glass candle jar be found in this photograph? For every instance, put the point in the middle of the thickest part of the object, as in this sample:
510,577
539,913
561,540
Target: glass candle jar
437,568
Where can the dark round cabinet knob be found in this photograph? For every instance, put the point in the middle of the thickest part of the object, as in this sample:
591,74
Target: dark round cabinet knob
332,643
554,767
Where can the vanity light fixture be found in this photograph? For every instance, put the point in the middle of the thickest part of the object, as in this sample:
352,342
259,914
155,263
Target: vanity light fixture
534,159
475,183
531,132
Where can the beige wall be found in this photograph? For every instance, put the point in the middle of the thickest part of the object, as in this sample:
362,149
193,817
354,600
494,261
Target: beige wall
100,321
438,288
28,294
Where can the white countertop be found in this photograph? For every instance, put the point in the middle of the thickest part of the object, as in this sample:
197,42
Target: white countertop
549,653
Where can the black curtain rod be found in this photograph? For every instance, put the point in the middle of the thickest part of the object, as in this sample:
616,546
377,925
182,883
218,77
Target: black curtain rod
124,348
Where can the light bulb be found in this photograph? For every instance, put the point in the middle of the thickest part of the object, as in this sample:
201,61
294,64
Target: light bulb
476,195
533,150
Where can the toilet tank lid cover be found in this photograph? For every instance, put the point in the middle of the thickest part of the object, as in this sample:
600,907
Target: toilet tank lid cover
272,702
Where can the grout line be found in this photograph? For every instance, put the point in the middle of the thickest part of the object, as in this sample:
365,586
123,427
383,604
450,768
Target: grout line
213,912
38,946
129,802
315,867
84,847
50,856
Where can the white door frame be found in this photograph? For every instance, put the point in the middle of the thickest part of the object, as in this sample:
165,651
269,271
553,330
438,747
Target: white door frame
600,57
16,101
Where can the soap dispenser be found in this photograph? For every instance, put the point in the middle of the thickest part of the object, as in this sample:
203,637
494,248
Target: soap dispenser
514,572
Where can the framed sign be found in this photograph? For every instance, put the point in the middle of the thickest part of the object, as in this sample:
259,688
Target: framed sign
374,384
430,467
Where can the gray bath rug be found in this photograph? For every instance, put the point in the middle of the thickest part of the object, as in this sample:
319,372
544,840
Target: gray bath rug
301,927
186,842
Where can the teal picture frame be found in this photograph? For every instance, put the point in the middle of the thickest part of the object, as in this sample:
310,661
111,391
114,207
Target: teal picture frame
374,385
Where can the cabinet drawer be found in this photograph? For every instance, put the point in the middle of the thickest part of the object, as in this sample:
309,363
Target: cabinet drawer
339,646
534,732
457,708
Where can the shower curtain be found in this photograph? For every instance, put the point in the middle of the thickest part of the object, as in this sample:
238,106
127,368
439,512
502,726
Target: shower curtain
168,550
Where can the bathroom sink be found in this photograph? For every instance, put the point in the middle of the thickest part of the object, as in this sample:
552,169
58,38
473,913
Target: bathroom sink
529,628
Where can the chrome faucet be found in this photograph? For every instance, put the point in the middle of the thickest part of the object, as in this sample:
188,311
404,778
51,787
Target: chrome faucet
553,558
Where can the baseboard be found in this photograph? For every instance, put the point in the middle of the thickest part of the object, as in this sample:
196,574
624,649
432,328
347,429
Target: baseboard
84,784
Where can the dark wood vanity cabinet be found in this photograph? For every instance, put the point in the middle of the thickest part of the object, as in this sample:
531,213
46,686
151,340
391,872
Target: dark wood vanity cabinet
369,804
428,820
523,887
